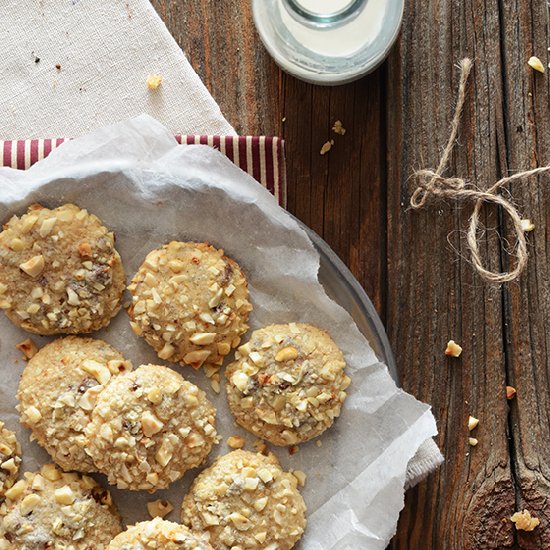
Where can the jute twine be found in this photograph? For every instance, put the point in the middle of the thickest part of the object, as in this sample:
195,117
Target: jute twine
432,184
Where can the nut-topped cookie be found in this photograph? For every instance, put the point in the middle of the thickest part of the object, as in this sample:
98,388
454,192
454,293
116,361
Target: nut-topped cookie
245,500
149,427
52,509
190,303
10,459
159,533
59,271
58,390
287,383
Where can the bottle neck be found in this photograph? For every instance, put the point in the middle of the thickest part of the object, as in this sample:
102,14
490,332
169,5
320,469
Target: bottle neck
324,13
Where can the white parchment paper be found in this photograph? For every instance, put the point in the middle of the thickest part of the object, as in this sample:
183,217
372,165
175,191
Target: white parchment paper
150,190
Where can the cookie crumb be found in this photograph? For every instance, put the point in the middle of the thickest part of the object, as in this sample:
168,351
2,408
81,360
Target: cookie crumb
326,147
453,349
319,443
235,442
338,128
28,348
525,521
536,64
159,508
293,449
58,66
154,81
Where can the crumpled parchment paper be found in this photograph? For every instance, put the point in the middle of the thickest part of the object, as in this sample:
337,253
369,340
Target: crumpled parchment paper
150,190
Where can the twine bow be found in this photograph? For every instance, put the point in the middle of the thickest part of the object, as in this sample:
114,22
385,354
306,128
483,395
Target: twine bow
434,184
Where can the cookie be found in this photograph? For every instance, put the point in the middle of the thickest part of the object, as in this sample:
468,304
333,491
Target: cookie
159,533
149,427
57,393
287,383
245,500
190,303
10,459
59,271
52,509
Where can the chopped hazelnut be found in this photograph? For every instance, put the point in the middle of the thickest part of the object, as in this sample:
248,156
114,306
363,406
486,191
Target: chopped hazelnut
235,442
510,392
472,441
300,476
28,347
525,521
154,81
338,128
64,495
29,503
159,508
34,266
85,250
326,147
536,64
527,225
472,422
453,349
286,354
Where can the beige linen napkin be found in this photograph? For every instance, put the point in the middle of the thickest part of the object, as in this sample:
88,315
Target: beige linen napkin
70,66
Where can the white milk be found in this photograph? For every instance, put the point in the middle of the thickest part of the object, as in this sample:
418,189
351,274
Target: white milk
341,41
324,7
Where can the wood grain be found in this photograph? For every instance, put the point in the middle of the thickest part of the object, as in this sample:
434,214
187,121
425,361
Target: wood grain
413,264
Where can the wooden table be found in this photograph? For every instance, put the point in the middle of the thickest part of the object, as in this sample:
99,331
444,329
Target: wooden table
413,264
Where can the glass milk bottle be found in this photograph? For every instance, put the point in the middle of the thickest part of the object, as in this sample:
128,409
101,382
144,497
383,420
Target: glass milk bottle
328,41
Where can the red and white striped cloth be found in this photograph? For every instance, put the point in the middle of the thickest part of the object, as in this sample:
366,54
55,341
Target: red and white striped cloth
260,156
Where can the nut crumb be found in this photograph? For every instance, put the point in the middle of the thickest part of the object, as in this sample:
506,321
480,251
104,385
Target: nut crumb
525,521
154,81
472,423
338,128
300,476
510,392
235,442
453,349
259,446
536,64
527,225
28,347
159,508
326,147
472,441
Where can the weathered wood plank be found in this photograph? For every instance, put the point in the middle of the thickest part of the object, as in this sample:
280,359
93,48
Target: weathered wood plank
433,294
527,139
